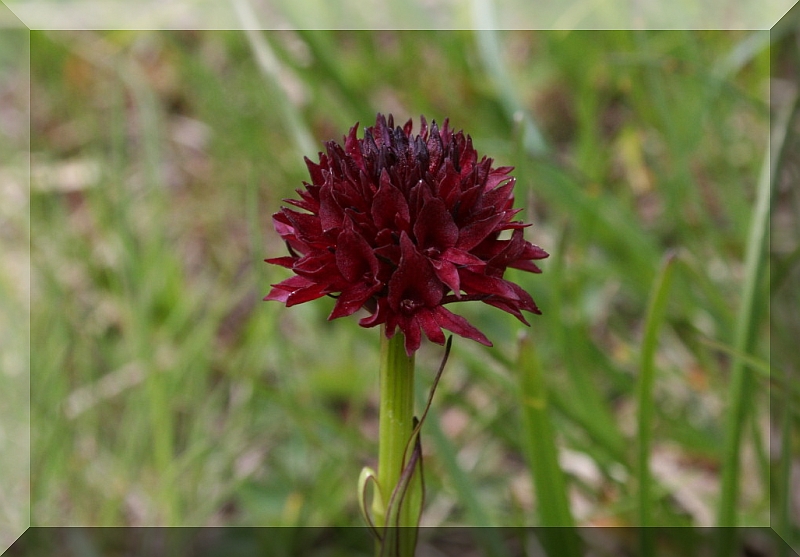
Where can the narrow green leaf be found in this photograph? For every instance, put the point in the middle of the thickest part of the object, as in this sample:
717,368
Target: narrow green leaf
277,74
758,365
496,68
783,269
488,538
540,443
653,320
614,226
415,496
741,393
784,519
592,412
404,510
783,505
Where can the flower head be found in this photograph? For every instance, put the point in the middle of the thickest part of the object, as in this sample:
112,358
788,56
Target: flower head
402,225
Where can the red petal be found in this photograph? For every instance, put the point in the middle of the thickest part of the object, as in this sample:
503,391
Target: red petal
295,290
469,200
282,225
514,225
277,295
472,282
525,266
459,325
351,300
388,204
500,304
430,326
449,185
330,213
414,279
351,147
423,127
319,266
376,318
448,274
390,252
497,176
511,252
435,147
410,328
303,204
532,251
306,227
461,257
315,170
435,227
280,292
305,294
382,131
524,300
475,232
354,256
498,196
287,261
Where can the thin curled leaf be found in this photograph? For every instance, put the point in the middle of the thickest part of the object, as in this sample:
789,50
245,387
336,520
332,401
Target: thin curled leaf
399,540
438,376
367,475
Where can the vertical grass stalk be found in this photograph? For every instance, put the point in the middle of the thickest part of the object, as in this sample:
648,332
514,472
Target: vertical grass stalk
559,538
653,320
784,519
784,522
746,325
150,250
496,69
741,392
277,74
161,425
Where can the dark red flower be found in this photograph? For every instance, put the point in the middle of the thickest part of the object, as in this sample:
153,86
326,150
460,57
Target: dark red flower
401,225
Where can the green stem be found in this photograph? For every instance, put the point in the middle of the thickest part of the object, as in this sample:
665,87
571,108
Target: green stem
396,416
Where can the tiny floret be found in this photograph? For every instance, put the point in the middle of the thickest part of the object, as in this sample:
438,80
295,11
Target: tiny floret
402,225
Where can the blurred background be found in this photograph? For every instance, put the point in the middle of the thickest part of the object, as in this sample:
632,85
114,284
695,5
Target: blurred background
165,392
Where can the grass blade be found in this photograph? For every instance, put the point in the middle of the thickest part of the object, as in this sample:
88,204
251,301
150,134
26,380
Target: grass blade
740,393
784,522
593,411
488,538
489,50
275,73
654,319
540,443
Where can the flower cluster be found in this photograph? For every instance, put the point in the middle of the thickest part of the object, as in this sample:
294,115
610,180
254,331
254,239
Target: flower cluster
402,225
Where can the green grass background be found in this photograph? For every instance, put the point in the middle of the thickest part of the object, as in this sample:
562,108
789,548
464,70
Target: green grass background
164,391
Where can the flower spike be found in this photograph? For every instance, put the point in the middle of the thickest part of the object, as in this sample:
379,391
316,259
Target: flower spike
399,225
